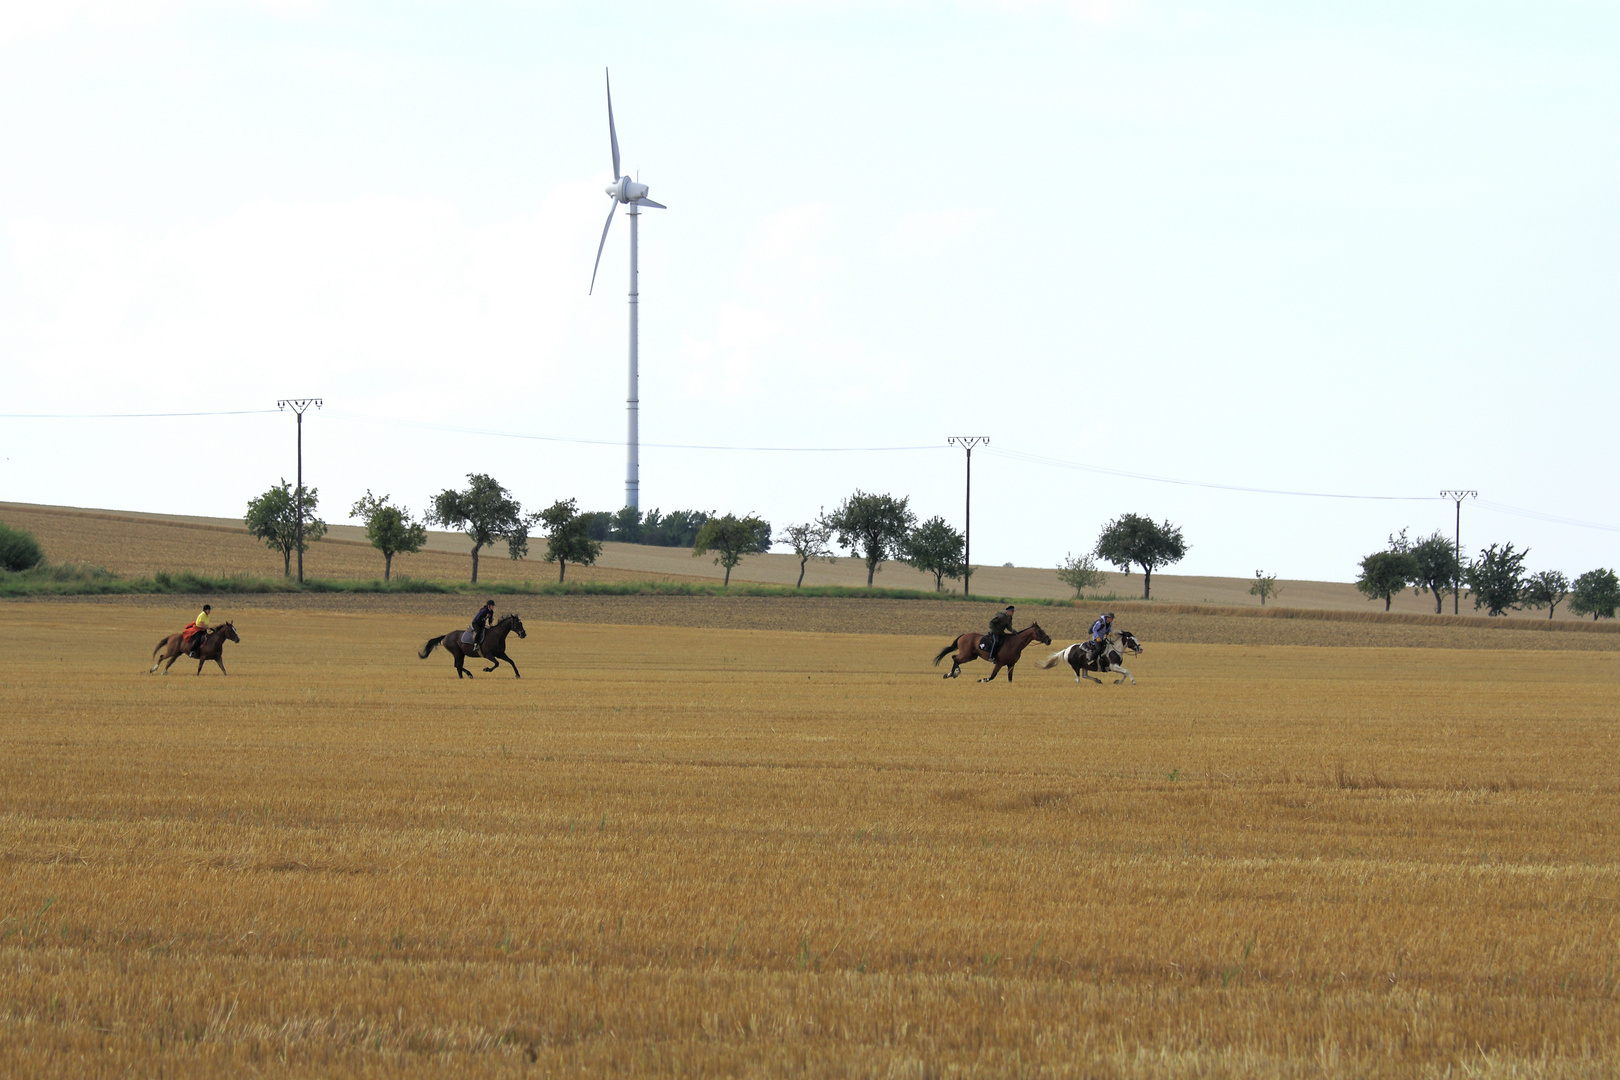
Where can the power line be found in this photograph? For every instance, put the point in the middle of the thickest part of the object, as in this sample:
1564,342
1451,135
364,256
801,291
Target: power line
129,415
1038,459
429,426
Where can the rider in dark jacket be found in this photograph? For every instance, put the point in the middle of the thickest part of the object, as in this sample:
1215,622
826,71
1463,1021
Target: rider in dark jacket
481,621
1000,627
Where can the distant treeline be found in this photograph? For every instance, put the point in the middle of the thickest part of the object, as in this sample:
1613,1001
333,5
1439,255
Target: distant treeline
678,528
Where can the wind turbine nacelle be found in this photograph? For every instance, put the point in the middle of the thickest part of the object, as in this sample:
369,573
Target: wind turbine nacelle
627,190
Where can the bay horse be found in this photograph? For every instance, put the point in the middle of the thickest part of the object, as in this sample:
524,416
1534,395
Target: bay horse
1083,656
967,649
493,647
212,648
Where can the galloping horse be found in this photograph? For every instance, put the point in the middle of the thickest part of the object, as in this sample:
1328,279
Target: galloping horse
967,648
1084,657
212,648
493,647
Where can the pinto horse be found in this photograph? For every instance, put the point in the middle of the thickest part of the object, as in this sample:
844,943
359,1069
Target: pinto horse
212,648
967,649
492,648
1083,656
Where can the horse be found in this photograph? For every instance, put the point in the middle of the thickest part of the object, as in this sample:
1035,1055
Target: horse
1083,657
967,649
212,648
492,648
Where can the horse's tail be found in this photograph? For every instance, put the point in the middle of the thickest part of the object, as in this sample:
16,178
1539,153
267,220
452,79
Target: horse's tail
160,645
1055,657
432,642
946,651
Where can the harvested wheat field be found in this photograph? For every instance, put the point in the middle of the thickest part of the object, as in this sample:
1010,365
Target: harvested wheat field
768,851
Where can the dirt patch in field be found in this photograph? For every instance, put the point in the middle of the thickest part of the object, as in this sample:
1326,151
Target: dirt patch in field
837,615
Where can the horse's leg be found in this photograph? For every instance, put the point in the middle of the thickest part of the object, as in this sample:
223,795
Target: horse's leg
221,662
461,664
994,671
495,662
1124,674
516,674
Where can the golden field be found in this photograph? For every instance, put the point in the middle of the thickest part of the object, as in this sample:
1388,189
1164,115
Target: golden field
751,850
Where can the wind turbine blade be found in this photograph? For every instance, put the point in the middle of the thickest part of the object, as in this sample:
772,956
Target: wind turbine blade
602,245
612,134
644,201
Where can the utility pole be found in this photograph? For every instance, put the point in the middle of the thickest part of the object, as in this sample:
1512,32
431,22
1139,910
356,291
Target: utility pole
1457,497
298,406
968,442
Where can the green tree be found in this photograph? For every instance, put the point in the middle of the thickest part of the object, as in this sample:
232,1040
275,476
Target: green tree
1079,572
730,538
568,536
1264,585
1133,538
1546,588
486,513
1385,573
873,527
1496,578
626,525
273,518
1595,593
935,548
1436,566
389,528
809,541
19,550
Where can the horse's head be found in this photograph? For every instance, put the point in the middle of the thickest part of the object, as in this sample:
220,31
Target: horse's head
1041,635
516,624
230,633
1128,639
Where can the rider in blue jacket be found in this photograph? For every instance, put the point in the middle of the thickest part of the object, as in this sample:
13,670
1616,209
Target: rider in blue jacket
1099,633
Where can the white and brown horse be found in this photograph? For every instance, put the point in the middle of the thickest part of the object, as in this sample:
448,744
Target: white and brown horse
1084,656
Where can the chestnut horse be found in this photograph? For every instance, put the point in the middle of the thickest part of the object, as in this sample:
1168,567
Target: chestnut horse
493,647
212,648
967,648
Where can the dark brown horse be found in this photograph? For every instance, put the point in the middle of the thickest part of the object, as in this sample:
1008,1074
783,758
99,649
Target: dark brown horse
1102,656
493,647
212,648
967,648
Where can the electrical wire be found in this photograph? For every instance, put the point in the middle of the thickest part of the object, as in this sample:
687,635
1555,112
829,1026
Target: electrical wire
130,415
1039,459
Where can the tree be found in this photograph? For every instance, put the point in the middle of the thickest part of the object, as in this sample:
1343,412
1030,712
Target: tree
935,548
1080,573
809,541
1385,573
1595,593
273,518
486,512
1437,568
730,538
1136,539
19,550
626,525
875,527
1496,578
1547,589
568,536
389,528
1264,585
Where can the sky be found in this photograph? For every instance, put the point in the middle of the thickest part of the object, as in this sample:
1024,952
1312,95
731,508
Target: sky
1277,273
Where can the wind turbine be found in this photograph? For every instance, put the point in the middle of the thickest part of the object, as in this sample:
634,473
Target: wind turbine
625,190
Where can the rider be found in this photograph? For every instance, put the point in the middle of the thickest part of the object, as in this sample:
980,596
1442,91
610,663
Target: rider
1000,627
1099,633
198,631
481,621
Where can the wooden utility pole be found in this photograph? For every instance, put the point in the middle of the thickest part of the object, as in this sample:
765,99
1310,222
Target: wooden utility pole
968,442
298,406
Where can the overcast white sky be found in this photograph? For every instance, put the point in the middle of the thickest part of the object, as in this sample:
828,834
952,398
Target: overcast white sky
1365,249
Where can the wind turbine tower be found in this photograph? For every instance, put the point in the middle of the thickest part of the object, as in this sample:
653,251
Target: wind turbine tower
625,190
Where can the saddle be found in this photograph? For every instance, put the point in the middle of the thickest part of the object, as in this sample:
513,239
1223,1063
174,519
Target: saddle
468,637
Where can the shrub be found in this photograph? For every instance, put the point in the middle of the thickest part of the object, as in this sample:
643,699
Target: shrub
18,550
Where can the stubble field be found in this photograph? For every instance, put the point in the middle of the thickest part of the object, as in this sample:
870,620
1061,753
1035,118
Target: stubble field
764,851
